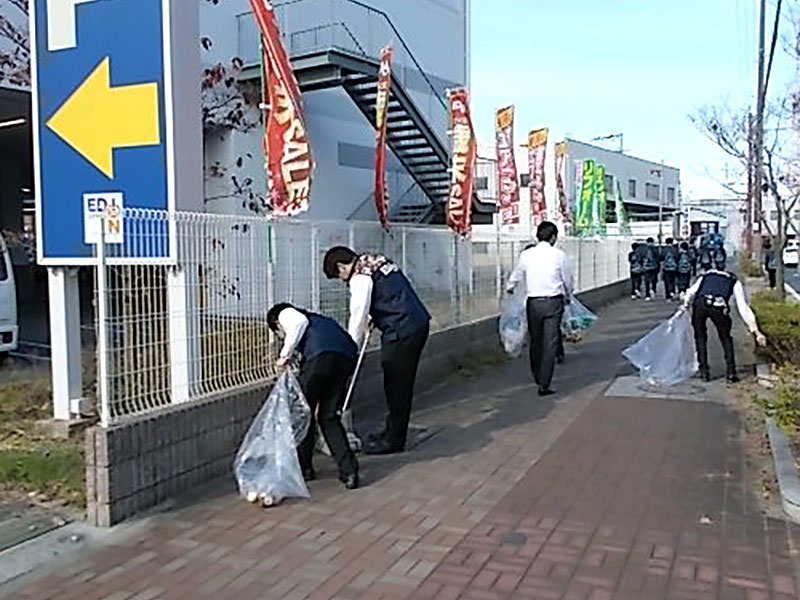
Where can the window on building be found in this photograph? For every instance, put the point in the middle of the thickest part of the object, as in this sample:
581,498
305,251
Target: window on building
670,195
481,183
525,179
631,188
609,183
652,191
3,269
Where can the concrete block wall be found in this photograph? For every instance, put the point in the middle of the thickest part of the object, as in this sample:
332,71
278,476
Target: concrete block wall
139,464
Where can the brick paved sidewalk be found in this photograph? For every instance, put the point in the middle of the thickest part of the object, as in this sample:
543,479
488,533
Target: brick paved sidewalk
587,497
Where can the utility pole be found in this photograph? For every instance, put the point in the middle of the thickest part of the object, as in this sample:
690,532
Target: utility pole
750,198
758,138
661,195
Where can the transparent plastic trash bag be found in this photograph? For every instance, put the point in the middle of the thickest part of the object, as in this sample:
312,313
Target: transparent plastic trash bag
266,466
577,319
513,325
666,356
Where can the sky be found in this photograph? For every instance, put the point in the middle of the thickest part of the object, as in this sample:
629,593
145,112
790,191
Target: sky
588,68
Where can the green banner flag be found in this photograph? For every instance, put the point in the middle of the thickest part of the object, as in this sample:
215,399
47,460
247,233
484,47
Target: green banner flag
622,214
599,199
584,224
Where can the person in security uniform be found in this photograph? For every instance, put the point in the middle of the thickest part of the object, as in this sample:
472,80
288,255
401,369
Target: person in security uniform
709,299
327,361
381,292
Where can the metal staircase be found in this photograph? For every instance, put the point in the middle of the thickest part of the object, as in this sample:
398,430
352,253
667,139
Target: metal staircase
329,55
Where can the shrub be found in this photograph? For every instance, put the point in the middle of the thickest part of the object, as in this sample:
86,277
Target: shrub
780,322
749,268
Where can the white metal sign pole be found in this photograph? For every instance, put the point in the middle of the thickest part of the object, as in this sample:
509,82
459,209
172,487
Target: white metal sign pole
65,339
102,327
185,158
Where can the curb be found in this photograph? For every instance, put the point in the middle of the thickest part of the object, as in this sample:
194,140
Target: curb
785,470
792,292
782,457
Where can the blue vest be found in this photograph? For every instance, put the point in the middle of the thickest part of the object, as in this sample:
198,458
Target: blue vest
396,309
716,289
325,335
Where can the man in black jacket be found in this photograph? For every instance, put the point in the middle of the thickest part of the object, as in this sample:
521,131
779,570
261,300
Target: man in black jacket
669,267
648,256
327,361
380,291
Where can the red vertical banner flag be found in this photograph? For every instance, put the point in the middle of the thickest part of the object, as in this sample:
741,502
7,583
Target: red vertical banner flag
286,145
465,151
561,185
507,181
381,110
537,147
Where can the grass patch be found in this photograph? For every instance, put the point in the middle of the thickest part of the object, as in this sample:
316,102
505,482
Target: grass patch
54,469
780,322
784,405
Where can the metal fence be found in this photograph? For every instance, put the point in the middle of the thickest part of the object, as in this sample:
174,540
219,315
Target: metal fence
192,321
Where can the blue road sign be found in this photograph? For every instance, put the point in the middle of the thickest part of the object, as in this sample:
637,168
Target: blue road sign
100,119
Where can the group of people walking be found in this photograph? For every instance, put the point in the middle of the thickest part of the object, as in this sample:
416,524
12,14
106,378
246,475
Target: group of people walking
382,297
677,263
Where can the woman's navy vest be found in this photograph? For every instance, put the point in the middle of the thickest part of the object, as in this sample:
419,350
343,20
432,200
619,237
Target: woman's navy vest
396,309
716,289
325,335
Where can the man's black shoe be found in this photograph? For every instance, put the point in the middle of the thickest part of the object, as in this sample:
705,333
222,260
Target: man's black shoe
733,378
546,392
351,482
705,375
309,474
380,447
560,360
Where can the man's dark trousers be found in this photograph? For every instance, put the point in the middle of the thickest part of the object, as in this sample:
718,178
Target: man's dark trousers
772,273
400,360
650,282
669,283
682,281
721,319
636,283
323,380
544,324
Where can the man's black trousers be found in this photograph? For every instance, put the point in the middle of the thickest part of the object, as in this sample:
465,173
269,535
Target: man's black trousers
721,319
636,283
669,283
544,325
682,280
400,360
324,382
650,282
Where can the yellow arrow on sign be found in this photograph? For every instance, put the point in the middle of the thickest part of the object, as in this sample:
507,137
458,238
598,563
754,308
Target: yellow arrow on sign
97,118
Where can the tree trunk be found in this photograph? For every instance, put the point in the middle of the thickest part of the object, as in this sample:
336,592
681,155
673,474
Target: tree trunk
780,236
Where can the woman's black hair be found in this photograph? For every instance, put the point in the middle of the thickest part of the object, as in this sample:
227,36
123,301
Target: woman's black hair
338,255
274,312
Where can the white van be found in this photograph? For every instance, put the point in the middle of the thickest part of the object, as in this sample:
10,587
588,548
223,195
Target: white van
8,304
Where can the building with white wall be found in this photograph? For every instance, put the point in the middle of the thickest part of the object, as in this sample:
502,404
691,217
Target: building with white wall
640,182
334,39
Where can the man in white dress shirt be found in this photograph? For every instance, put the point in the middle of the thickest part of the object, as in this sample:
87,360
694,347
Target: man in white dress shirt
547,276
380,291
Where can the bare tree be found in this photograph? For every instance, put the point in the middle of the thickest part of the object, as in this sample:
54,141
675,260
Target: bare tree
729,130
